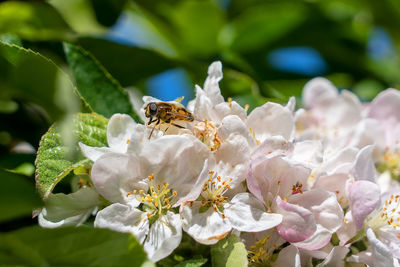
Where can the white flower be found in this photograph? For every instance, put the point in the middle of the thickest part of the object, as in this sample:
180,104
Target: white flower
145,186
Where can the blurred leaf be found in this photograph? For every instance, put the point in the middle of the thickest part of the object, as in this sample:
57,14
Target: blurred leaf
55,157
30,77
25,168
17,196
198,24
127,64
75,246
229,252
79,15
99,89
108,11
33,21
192,263
262,24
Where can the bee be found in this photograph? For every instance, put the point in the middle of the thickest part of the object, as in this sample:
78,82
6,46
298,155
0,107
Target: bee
165,112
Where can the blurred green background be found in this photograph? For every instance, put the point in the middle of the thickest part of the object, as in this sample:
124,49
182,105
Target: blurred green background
269,50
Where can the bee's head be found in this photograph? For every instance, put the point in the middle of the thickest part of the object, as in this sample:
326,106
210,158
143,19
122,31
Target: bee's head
151,109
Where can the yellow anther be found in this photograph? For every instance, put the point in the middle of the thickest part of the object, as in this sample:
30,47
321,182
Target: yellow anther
246,107
175,193
128,141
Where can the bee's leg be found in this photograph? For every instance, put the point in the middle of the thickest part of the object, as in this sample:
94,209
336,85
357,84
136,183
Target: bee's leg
177,125
154,126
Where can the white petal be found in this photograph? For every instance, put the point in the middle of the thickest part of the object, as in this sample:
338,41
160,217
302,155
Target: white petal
365,166
61,206
288,256
206,227
176,160
74,220
164,236
271,119
318,240
389,235
247,214
309,152
211,87
123,218
93,153
119,130
317,91
116,174
335,257
381,253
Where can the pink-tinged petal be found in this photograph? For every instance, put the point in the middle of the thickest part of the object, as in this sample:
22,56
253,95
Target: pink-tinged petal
318,91
318,240
93,153
206,227
348,229
364,196
271,119
366,132
247,214
335,183
298,223
273,146
389,235
385,105
257,183
176,160
114,175
211,87
288,256
335,162
123,218
324,205
119,130
164,236
381,255
335,257
364,168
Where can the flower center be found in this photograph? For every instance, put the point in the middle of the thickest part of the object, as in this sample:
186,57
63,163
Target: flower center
389,214
260,253
157,200
206,132
213,193
391,163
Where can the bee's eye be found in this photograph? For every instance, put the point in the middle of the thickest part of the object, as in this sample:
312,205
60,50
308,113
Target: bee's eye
153,108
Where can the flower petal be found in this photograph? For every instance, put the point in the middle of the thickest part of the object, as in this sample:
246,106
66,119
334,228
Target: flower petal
319,239
389,235
298,223
123,218
206,227
119,130
93,153
116,174
365,166
211,87
335,257
364,197
164,236
271,119
317,91
247,214
288,256
381,255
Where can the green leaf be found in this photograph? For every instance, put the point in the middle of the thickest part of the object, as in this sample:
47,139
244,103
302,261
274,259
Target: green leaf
17,196
28,76
198,25
192,263
260,25
134,64
75,246
99,89
229,252
57,157
33,21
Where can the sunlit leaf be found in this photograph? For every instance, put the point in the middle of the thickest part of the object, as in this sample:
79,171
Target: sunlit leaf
262,24
33,20
229,252
95,84
57,155
17,196
192,263
75,246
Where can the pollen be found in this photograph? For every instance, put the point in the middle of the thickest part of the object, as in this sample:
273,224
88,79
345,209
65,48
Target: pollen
206,132
389,214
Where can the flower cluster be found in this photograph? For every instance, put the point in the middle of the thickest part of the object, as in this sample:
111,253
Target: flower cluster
295,185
